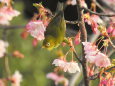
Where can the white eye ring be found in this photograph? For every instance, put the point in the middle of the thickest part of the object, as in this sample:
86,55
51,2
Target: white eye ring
48,44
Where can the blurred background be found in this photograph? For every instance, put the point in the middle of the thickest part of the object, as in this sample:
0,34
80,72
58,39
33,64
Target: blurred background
37,61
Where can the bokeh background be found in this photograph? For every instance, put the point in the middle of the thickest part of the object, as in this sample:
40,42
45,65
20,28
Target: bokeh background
37,61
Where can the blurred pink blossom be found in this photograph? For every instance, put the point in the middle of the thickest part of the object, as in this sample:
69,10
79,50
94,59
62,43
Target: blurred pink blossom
16,79
7,14
93,55
35,42
58,79
36,29
2,83
3,46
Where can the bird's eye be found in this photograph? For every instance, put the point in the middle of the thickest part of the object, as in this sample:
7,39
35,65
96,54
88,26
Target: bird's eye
48,44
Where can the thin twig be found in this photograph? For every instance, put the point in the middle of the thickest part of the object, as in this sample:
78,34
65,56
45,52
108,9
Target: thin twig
112,44
77,57
100,6
6,63
95,76
104,4
100,14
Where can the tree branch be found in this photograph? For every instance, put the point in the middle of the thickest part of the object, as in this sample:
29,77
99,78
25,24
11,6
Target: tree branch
83,39
100,14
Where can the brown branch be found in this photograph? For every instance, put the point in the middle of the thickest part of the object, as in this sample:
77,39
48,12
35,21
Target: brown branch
83,39
100,14
104,4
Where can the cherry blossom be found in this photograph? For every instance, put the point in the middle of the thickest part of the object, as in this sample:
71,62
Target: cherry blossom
59,62
7,14
111,30
102,60
70,67
16,78
93,20
58,79
93,55
108,82
3,46
36,29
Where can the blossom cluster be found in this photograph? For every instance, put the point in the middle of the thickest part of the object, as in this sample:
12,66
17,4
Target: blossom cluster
16,78
93,55
36,29
70,67
7,12
94,21
57,79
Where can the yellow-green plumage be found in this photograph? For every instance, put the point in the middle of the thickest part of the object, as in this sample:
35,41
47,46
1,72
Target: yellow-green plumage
55,32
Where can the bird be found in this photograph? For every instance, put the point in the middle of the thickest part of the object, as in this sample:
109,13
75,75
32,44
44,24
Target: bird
55,31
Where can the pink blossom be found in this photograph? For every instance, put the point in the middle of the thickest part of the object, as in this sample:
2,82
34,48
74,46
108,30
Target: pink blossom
97,19
93,20
57,79
7,14
77,39
71,67
36,29
102,60
59,62
93,55
16,78
94,26
3,46
35,42
52,76
111,30
2,83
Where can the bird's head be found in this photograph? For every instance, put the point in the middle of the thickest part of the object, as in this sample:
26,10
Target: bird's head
49,42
